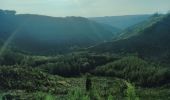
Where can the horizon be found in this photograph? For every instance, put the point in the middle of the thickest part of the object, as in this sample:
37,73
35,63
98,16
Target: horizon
88,8
85,16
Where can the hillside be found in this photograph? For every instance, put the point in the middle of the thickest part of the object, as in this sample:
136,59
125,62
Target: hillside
138,28
36,33
151,41
121,22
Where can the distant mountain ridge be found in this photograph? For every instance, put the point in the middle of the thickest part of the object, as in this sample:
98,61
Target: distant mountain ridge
121,22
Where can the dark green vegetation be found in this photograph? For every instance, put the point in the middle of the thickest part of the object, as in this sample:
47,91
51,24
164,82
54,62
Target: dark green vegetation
18,78
136,70
134,66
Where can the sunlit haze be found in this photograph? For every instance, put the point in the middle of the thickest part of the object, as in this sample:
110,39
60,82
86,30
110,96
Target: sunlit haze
86,8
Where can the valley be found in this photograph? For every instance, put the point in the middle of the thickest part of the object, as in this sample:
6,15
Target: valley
76,58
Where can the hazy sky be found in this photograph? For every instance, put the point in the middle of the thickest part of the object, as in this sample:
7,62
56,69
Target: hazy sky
86,8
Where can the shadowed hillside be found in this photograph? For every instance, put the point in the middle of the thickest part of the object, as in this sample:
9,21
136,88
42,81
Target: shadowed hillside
36,33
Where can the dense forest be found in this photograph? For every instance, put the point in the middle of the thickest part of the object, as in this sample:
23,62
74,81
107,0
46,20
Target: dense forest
75,58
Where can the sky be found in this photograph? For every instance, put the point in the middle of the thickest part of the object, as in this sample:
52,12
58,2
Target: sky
86,8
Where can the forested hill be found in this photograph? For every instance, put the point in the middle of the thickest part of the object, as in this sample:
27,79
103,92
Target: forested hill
138,28
152,41
37,33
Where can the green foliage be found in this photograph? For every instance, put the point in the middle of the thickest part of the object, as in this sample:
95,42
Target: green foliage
102,88
136,70
69,65
43,96
94,94
131,93
78,94
110,97
29,79
73,64
159,93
